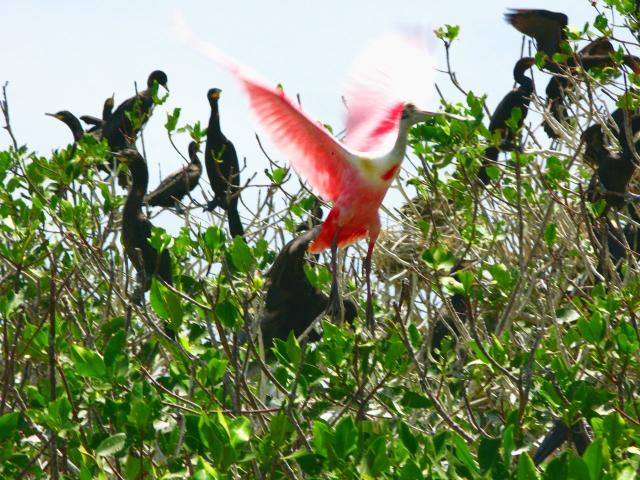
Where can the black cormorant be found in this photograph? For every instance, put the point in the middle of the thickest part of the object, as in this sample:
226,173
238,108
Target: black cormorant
517,98
136,227
178,184
223,169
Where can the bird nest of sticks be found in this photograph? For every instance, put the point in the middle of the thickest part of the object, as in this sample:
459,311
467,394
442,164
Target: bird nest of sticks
399,248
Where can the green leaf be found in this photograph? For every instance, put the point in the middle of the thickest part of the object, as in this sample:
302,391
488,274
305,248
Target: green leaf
526,468
508,444
439,258
448,33
463,453
415,400
488,452
111,445
59,412
408,438
172,120
278,175
216,369
550,234
601,23
115,347
87,362
294,352
8,425
140,413
592,330
595,457
227,313
578,469
214,238
345,436
239,431
241,255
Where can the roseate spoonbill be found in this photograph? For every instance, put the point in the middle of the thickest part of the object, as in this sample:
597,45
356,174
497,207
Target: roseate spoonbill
292,303
178,184
223,169
136,227
119,131
579,434
355,174
98,123
613,171
516,98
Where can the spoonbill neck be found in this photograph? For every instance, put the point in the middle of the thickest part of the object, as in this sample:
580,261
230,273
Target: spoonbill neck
400,146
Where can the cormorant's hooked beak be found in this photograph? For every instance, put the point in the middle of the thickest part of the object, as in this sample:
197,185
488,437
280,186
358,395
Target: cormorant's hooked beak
54,115
166,87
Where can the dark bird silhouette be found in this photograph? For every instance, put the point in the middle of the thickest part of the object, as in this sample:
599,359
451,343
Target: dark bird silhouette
97,123
579,434
136,227
545,27
119,130
618,242
314,218
613,170
595,55
178,184
548,30
223,169
517,98
71,121
460,305
292,303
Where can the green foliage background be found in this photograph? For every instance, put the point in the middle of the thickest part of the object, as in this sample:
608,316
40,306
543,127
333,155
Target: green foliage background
91,388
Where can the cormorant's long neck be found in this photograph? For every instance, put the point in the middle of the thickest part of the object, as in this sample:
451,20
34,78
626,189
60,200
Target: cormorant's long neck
523,80
76,128
214,122
139,182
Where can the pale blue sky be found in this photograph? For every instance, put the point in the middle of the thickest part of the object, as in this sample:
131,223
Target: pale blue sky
73,54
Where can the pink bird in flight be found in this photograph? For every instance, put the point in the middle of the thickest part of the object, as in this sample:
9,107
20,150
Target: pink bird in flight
356,173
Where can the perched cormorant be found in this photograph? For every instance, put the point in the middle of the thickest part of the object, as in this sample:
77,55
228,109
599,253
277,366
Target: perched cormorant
71,121
517,98
292,303
178,184
98,123
223,169
136,227
548,30
614,171
559,433
119,131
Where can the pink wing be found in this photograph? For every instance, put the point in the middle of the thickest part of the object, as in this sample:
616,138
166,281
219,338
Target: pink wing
312,151
393,70
310,148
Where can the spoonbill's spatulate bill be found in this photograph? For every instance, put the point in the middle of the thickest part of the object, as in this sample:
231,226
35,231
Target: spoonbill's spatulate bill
355,174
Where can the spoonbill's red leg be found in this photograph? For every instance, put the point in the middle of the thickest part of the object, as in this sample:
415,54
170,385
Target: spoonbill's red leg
335,305
373,235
